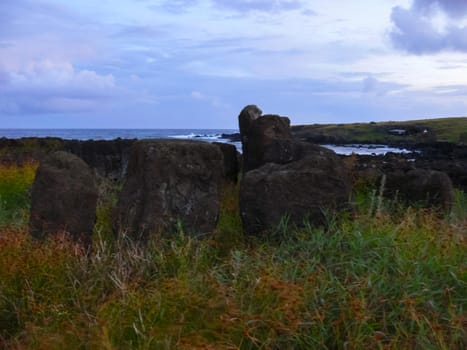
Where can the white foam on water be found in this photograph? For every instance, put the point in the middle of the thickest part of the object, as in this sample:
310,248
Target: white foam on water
375,150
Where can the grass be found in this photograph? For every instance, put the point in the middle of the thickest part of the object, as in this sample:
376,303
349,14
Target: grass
441,129
15,182
389,278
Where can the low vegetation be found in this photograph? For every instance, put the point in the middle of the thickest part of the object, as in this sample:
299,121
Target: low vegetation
15,182
387,278
442,129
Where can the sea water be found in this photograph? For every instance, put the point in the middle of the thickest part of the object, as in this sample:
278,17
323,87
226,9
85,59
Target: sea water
209,135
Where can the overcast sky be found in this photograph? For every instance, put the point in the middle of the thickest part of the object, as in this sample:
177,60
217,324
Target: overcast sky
197,63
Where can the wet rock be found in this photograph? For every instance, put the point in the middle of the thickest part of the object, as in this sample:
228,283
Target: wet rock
170,182
64,197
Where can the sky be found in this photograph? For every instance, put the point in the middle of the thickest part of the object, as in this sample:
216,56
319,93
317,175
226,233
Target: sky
197,63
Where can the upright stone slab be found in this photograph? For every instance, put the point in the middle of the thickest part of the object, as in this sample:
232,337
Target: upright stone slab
64,197
246,117
266,139
170,181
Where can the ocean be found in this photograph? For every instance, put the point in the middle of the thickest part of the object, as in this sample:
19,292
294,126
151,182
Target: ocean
210,135
110,134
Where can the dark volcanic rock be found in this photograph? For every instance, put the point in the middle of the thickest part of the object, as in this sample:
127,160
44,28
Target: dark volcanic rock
456,169
246,117
27,149
428,188
446,157
108,158
170,181
405,179
301,190
232,137
231,164
64,197
267,139
284,177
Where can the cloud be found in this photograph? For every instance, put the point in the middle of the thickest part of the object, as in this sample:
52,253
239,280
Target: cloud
138,31
379,87
27,17
415,30
453,8
451,90
53,87
175,6
242,6
259,5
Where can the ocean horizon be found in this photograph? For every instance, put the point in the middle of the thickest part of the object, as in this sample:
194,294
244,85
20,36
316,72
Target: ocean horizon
111,133
209,135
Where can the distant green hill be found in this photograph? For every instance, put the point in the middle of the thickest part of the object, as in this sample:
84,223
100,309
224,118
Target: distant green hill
405,132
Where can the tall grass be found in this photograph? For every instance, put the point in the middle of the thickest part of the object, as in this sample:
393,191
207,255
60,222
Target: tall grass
15,182
376,281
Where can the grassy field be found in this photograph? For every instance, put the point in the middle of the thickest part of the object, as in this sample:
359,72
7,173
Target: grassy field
442,129
387,278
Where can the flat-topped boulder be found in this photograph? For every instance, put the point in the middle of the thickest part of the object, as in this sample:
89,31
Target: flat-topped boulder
300,191
170,182
64,197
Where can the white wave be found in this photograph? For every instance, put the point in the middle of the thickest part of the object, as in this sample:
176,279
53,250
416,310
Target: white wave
207,137
365,149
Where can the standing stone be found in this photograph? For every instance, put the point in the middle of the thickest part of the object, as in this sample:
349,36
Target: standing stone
246,117
266,139
64,197
303,190
170,181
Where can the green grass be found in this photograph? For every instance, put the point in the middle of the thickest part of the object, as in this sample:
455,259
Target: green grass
441,129
15,182
389,278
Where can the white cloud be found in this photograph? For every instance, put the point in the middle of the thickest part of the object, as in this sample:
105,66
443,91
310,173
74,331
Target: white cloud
50,86
430,26
259,5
